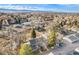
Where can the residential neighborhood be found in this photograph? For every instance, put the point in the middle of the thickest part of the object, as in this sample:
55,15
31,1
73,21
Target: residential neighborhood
39,33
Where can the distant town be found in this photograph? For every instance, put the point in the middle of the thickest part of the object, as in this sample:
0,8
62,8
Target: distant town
39,33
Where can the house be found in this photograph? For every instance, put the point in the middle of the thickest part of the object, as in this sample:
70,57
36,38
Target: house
42,43
38,43
4,24
3,33
27,23
17,26
71,38
12,21
33,44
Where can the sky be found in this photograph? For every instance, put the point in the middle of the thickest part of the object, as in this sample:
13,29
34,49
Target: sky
43,7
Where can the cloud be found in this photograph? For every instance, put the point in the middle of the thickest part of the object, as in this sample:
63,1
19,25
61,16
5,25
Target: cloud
21,7
46,7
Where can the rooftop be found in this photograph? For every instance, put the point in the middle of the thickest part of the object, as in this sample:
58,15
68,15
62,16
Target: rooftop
72,38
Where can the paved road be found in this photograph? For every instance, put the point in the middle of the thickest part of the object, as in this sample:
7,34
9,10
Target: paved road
63,50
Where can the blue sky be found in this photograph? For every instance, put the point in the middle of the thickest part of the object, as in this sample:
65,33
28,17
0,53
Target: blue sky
43,7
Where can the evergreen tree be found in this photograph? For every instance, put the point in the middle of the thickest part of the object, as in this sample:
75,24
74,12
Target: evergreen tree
33,34
1,24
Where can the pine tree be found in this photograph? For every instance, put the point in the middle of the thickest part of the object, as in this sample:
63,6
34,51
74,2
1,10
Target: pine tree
1,24
33,34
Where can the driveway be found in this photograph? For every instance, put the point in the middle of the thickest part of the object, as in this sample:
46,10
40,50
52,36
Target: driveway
63,50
